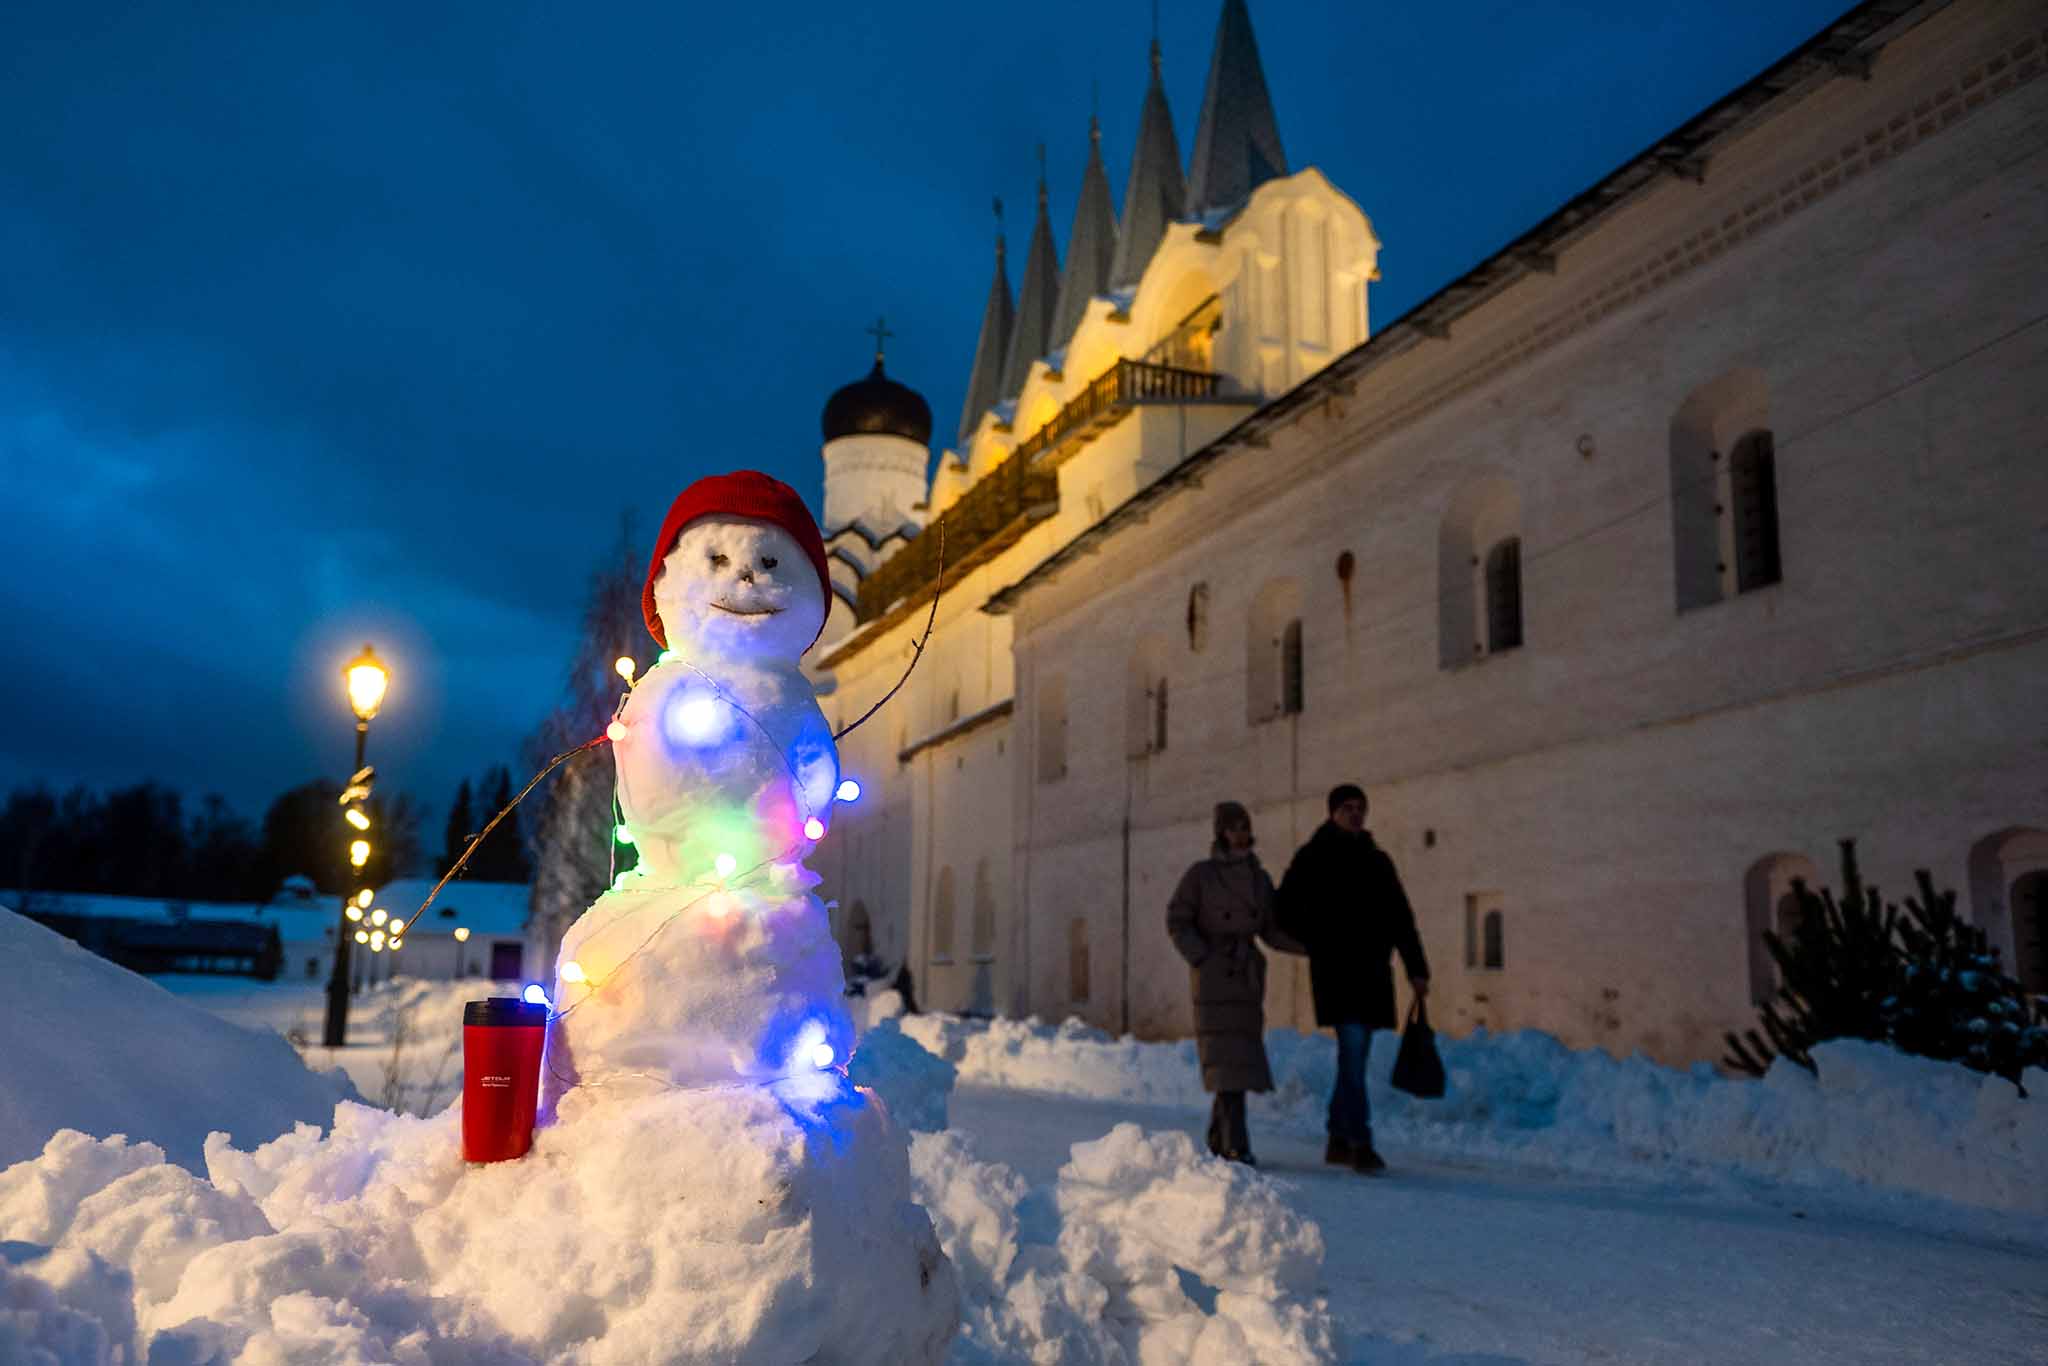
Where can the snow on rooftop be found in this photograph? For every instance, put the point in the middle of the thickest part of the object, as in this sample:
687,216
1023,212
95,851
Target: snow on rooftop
491,909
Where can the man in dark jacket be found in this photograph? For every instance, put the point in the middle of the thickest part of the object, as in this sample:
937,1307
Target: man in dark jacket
1343,900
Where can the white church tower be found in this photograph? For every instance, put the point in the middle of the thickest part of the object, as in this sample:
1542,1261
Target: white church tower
877,446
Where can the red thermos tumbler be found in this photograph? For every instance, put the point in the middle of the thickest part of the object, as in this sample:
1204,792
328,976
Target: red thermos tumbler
501,1044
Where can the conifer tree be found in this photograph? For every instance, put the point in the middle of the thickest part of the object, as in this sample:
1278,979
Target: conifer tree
461,828
1954,1002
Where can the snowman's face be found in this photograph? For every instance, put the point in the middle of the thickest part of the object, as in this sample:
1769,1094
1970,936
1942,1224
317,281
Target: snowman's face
739,587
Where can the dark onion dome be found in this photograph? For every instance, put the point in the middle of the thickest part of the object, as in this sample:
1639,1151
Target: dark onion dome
878,406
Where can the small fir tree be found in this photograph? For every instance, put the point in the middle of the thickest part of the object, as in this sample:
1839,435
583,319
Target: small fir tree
1954,1003
461,828
1834,975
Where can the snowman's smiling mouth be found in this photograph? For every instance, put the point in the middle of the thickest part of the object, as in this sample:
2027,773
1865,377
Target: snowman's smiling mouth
743,612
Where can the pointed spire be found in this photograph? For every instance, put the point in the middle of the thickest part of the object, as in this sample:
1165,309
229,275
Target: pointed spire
1037,297
1155,194
985,380
1091,245
1237,143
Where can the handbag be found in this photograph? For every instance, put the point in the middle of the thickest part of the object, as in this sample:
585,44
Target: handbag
1418,1069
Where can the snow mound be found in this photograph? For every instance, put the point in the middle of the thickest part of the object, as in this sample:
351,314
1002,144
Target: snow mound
783,1231
95,1047
1143,1250
1873,1120
910,1080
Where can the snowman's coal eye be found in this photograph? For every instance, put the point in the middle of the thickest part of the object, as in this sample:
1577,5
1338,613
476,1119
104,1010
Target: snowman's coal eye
718,561
767,561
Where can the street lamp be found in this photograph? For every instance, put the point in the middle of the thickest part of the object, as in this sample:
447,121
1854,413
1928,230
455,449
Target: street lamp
364,680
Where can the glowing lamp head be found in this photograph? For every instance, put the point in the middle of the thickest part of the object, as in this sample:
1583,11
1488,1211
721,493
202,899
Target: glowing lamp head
366,681
379,916
359,853
625,667
615,732
535,996
814,829
821,1055
362,936
354,912
572,971
726,865
849,790
462,934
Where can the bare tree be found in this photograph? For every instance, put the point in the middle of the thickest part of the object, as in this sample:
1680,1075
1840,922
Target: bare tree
574,858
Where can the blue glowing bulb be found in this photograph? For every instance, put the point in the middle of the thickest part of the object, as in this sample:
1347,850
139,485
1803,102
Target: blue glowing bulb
849,790
821,1055
535,995
814,829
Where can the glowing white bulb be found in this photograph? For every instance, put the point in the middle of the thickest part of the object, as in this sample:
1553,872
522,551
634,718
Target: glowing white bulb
625,667
665,656
615,732
376,941
462,934
572,971
379,916
397,944
693,718
725,864
363,898
622,834
397,925
354,912
534,995
849,790
362,936
814,829
821,1055
359,853
357,818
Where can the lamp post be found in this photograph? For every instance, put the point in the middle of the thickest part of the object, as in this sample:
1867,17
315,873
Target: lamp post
365,680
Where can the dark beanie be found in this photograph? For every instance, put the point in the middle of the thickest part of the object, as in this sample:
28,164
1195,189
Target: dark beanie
1227,815
1345,792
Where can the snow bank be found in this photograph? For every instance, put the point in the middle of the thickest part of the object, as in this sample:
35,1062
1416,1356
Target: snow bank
95,1047
1142,1250
912,1082
780,1229
1873,1119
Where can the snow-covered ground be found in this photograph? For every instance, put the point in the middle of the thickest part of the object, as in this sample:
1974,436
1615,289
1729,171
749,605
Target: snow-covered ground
1555,1207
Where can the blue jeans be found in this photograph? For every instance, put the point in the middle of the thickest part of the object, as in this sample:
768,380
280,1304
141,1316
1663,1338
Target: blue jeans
1350,1111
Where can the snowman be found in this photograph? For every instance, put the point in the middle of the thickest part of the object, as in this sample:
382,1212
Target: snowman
711,962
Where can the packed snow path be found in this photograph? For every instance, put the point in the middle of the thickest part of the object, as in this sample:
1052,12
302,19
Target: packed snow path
1444,1264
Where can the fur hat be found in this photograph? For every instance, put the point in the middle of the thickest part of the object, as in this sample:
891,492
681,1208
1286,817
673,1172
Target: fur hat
743,493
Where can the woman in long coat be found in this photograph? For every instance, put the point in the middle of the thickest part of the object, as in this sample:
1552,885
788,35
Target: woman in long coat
1222,905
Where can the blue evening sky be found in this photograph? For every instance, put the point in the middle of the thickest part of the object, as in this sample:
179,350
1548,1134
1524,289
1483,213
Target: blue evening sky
330,322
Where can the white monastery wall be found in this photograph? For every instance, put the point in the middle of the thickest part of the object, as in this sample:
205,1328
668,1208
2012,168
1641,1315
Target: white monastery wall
1863,277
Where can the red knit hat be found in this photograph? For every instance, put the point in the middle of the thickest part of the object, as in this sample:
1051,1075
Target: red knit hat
743,493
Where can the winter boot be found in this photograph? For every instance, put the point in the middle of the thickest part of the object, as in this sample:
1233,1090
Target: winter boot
1337,1152
1365,1159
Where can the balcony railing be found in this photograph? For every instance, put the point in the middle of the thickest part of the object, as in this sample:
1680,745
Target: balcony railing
995,511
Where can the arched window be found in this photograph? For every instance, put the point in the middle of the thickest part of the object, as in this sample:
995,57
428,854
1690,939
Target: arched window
1771,903
2006,900
1493,954
1724,497
1052,728
1504,595
1198,618
984,942
2029,899
1273,653
860,931
1479,572
1077,960
1145,700
1484,949
1290,668
942,918
1753,504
